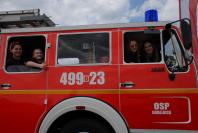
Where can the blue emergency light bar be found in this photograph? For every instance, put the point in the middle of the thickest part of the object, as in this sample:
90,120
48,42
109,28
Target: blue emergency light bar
151,16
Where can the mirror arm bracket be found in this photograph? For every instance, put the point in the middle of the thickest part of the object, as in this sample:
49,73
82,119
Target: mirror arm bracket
172,76
169,25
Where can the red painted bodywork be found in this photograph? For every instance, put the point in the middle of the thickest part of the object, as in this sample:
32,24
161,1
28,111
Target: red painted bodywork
23,109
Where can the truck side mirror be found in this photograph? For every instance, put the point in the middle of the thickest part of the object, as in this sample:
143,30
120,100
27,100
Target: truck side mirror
185,25
186,33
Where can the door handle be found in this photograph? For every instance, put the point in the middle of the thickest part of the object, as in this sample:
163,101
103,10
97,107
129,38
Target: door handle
5,86
127,84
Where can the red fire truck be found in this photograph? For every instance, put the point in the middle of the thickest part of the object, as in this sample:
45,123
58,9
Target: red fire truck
89,86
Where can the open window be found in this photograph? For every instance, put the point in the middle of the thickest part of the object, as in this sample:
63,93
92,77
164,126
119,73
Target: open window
20,50
141,47
84,48
173,52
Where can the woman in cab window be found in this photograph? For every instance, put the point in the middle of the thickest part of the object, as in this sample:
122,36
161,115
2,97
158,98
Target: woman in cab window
37,60
150,52
133,54
15,55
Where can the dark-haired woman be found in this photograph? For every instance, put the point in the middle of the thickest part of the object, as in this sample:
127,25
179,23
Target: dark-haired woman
151,54
37,60
133,54
15,55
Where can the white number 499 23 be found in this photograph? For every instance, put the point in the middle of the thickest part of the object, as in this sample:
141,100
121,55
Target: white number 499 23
78,78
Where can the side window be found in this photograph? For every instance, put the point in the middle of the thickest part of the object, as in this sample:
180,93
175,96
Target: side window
140,47
173,53
85,48
25,53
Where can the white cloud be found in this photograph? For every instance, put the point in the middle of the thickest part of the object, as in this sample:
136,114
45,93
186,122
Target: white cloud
170,11
78,12
88,11
75,12
167,9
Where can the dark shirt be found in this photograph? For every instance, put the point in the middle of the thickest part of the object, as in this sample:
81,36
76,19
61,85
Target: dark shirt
132,58
11,61
149,59
153,58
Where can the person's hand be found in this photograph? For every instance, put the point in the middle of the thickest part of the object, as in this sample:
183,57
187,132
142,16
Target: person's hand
43,66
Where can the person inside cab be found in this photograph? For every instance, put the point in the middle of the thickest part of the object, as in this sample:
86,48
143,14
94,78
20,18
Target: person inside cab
133,54
37,60
14,55
104,59
150,52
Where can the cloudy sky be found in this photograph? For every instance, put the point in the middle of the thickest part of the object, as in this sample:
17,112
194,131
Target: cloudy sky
81,12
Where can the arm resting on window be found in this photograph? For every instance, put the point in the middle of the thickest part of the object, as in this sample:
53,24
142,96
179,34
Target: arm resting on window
37,65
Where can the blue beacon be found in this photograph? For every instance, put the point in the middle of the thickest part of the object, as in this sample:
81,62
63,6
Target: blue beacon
151,15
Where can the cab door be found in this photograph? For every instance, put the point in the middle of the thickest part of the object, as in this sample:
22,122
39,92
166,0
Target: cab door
84,66
147,86
22,91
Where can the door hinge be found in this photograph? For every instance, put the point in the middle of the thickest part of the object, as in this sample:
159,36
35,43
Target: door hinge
48,45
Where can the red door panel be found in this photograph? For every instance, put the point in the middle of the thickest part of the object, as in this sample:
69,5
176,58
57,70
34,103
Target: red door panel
22,102
149,99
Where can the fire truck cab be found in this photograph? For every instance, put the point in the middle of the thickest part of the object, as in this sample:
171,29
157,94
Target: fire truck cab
91,82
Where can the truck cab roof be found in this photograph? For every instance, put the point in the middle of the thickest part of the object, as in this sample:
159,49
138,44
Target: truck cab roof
84,27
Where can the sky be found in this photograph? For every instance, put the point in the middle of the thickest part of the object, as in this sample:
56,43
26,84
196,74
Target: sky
83,12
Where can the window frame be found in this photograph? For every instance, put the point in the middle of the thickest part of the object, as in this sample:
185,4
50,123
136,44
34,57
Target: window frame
143,63
6,50
181,46
88,64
